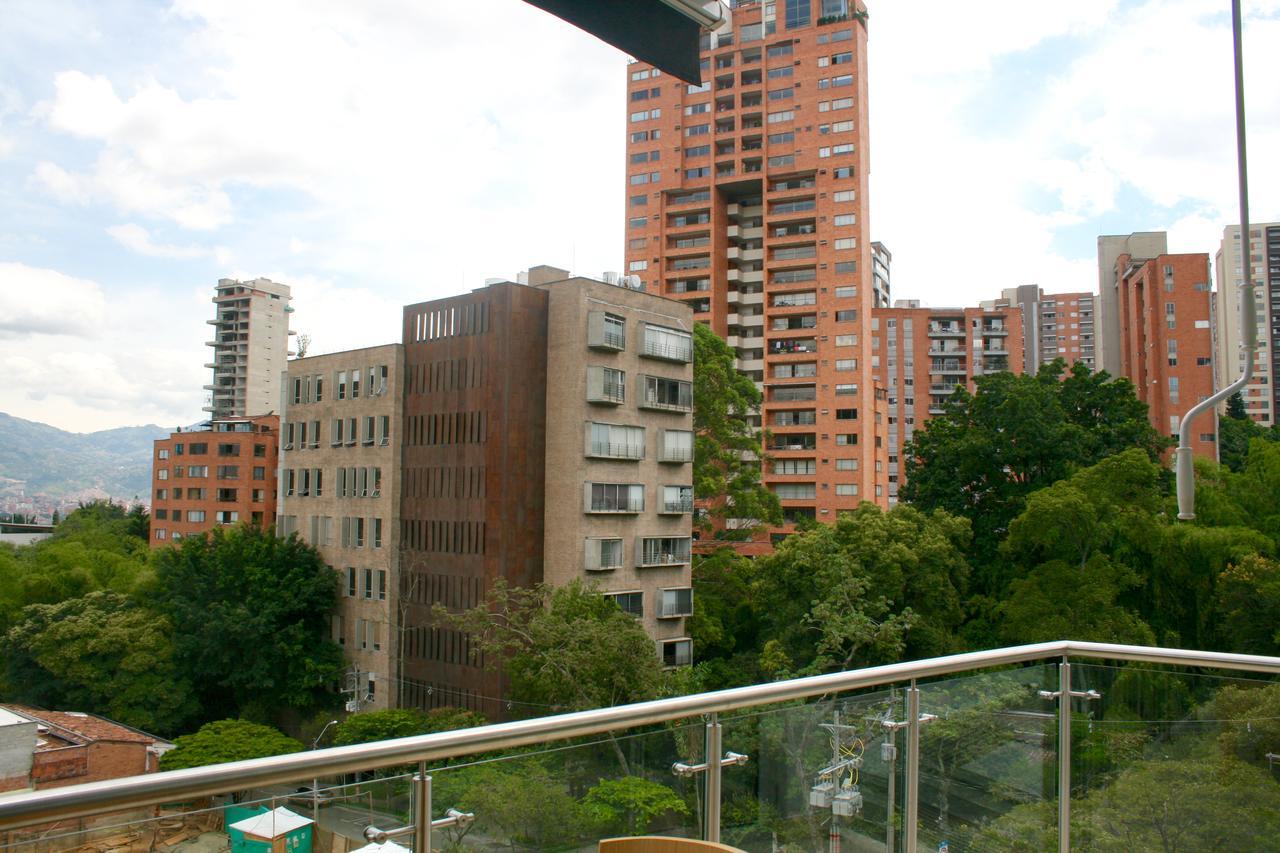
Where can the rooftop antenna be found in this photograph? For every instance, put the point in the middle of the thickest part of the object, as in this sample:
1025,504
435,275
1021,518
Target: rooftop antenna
1183,467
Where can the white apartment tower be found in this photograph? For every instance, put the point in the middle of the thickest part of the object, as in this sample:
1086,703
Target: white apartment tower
250,347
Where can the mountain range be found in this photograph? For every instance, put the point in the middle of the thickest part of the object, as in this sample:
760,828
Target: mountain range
56,463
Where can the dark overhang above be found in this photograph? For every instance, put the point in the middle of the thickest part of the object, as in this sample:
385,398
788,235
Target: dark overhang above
649,30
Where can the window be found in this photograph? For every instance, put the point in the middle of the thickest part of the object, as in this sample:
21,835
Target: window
163,494
666,394
845,219
197,448
797,13
846,489
638,200
842,172
677,652
197,470
697,130
778,117
668,344
676,500
226,517
663,550
614,497
781,94
351,580
785,138
612,441
162,473
369,423
847,316
795,491
846,414
697,151
675,446
228,450
368,583
846,464
778,50
603,554
377,537
847,439
196,515
795,466
335,432
631,603
606,385
676,602
160,534
163,454
847,243
783,160
1174,395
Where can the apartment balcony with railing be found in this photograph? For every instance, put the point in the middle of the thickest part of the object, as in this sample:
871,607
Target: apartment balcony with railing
1055,746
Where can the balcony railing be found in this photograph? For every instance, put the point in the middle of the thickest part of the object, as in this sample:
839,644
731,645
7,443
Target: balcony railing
977,748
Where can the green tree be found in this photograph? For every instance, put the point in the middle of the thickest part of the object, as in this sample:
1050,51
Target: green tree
726,466
393,723
568,648
101,653
1248,606
988,451
630,805
724,622
250,613
1059,600
227,740
1235,407
518,804
872,587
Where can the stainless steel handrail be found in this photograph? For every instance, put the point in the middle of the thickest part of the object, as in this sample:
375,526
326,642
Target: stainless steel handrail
94,797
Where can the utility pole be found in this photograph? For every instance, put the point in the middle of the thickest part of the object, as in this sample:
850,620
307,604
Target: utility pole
353,687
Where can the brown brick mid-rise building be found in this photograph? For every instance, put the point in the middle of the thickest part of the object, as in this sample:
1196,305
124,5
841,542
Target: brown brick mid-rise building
922,355
1166,343
221,473
747,199
546,437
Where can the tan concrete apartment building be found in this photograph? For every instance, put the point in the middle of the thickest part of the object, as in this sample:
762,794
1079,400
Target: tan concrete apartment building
747,198
250,347
619,449
339,490
922,355
1262,395
220,474
1056,325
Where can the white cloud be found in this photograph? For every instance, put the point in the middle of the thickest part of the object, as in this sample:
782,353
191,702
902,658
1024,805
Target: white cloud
77,360
983,152
37,301
135,237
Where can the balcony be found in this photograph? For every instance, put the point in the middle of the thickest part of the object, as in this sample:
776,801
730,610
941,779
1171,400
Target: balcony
939,330
611,450
1027,710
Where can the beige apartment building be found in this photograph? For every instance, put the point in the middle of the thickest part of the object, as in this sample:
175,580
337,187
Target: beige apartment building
619,449
250,347
339,489
1262,395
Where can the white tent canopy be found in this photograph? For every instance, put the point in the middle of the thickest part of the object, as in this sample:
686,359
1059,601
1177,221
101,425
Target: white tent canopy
384,847
271,824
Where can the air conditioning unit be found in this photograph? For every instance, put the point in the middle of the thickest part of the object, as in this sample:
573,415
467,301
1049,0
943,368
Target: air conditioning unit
352,706
609,277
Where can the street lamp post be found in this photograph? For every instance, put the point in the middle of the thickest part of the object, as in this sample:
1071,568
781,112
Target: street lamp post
315,783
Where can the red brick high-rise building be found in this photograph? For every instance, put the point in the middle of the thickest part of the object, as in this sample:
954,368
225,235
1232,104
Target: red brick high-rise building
1166,343
747,199
920,356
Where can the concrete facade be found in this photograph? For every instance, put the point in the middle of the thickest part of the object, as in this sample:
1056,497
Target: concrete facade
1166,345
339,489
219,475
250,347
1262,395
759,221
924,354
638,440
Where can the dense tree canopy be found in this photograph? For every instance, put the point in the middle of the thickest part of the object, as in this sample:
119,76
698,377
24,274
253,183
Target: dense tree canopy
1015,435
250,613
227,740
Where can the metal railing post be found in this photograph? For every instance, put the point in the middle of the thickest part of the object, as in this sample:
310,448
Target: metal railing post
712,756
422,810
911,808
1064,756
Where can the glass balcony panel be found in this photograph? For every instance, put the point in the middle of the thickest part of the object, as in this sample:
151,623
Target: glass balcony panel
988,754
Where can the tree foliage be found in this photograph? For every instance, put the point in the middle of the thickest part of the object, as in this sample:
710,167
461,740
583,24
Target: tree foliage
227,740
1015,435
102,652
391,723
250,613
871,588
726,466
630,805
567,647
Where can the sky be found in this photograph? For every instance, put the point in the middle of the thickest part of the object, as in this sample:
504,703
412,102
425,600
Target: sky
384,152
